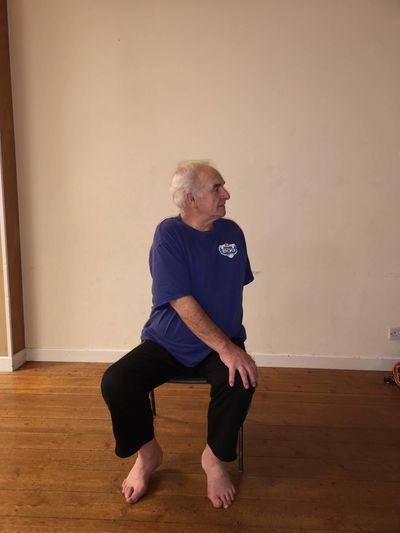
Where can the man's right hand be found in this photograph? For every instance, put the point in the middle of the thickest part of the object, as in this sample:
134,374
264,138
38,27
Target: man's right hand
237,360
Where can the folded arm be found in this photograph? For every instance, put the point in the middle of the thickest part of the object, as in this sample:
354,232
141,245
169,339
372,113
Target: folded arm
199,323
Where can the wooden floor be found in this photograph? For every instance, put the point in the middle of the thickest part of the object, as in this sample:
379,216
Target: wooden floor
322,453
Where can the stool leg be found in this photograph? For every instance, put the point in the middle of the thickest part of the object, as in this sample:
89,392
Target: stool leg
153,403
241,449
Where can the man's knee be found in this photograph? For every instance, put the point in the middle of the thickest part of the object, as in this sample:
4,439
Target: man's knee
111,382
240,394
118,382
238,390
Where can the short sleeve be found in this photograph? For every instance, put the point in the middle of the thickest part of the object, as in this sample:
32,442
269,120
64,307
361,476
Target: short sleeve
248,278
171,278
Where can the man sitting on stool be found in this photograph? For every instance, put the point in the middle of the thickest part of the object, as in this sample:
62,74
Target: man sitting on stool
199,266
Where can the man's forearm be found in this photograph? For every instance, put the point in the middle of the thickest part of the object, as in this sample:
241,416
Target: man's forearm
199,323
236,359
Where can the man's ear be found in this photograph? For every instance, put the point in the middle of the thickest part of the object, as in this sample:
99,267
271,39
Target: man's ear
190,199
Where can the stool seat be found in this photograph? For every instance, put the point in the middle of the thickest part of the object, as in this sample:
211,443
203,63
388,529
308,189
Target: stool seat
193,380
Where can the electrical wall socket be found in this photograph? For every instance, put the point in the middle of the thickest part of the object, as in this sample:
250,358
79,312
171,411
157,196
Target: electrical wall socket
394,334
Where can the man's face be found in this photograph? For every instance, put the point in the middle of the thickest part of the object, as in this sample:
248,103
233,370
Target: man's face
211,203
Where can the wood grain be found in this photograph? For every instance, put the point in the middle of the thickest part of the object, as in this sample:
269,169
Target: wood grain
321,454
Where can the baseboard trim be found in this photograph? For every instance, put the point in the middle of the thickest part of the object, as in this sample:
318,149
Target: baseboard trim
6,364
331,362
18,359
74,356
9,364
339,362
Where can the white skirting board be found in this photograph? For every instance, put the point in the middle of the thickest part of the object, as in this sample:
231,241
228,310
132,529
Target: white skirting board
333,362
8,364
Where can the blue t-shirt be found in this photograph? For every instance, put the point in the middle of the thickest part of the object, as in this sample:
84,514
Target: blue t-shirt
212,266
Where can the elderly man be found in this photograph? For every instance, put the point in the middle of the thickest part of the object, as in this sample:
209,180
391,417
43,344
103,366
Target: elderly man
199,265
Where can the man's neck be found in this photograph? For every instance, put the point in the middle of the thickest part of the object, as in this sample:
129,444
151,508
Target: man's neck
194,222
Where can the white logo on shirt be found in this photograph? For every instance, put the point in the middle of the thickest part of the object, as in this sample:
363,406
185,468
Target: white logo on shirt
228,250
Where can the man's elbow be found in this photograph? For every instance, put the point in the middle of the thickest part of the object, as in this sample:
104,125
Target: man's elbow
181,302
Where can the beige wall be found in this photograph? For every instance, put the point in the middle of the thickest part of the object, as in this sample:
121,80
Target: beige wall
297,101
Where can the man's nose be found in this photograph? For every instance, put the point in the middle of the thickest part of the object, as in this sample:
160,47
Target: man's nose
225,193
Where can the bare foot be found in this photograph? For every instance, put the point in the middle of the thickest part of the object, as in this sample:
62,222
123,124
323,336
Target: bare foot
220,489
149,459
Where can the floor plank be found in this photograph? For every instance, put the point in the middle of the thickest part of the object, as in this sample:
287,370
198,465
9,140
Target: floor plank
321,455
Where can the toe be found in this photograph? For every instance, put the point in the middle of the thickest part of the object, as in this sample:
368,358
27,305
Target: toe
217,503
226,501
128,492
135,495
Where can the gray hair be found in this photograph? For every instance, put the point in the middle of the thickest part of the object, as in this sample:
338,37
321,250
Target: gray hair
185,180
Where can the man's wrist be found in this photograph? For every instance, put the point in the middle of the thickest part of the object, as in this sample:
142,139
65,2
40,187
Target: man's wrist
225,347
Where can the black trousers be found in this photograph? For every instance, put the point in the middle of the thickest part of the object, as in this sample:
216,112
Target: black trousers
127,383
